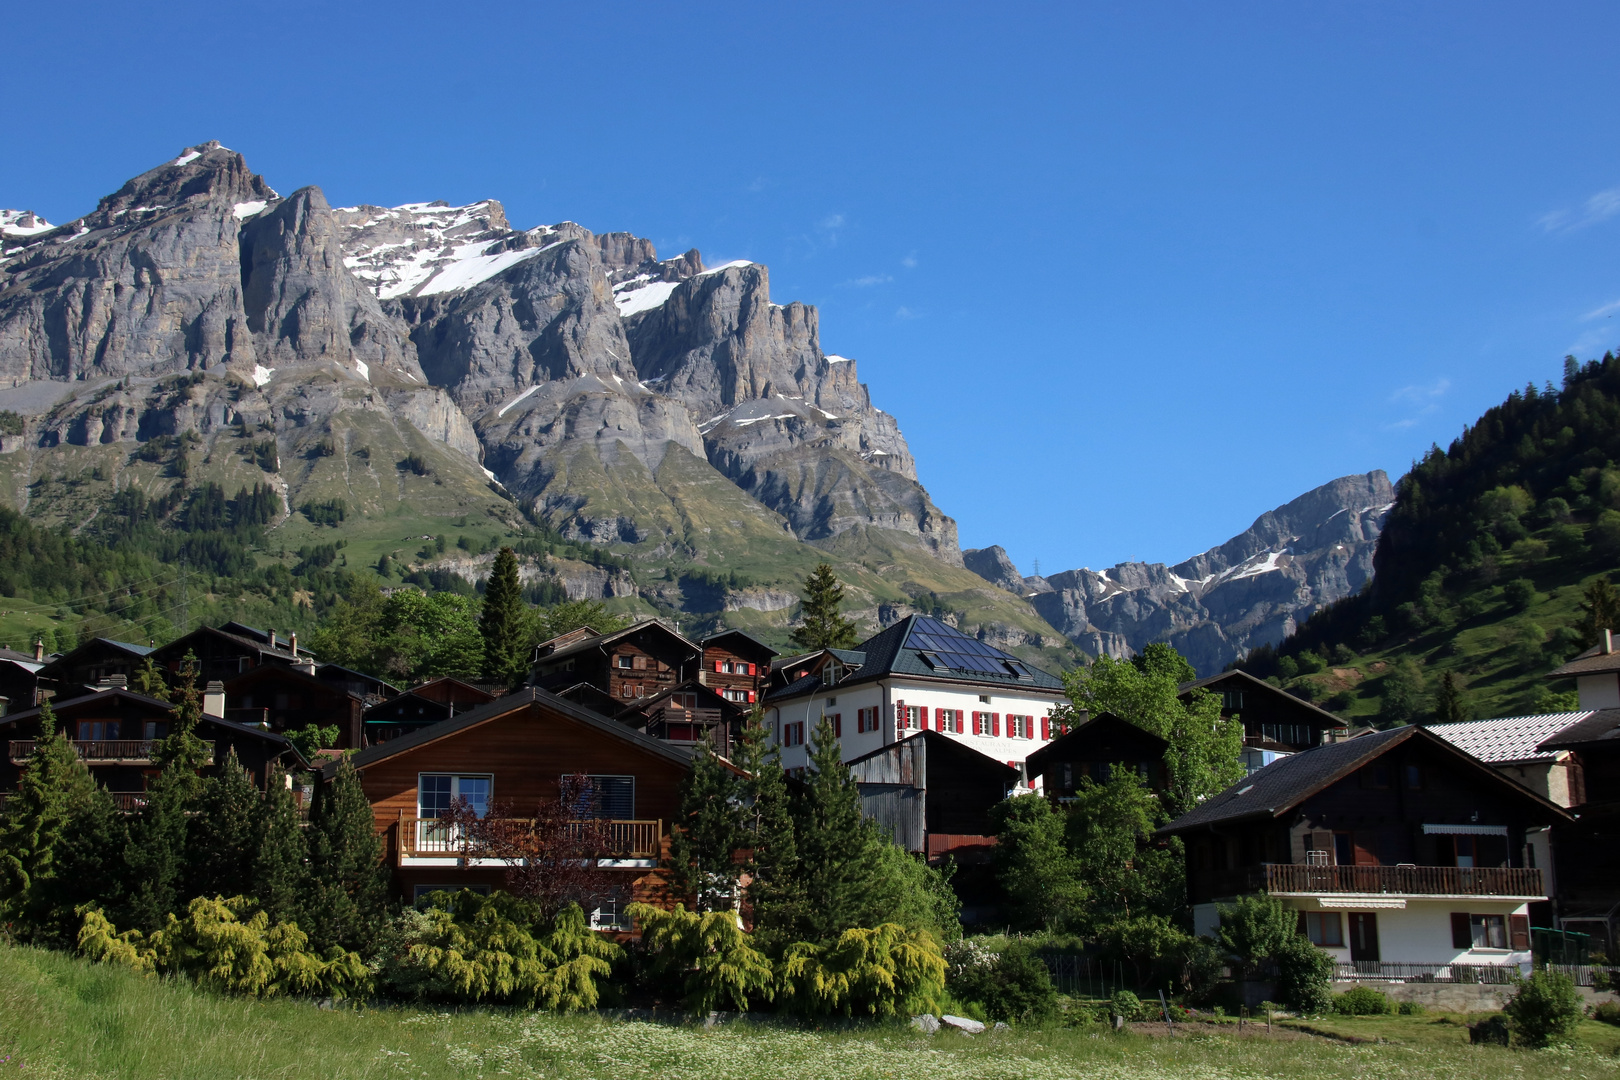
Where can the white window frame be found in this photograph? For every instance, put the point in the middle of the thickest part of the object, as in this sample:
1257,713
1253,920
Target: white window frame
430,834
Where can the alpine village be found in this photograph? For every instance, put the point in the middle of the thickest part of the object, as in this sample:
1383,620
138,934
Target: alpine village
643,677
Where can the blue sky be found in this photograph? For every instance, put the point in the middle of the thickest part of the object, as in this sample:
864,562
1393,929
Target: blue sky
1128,274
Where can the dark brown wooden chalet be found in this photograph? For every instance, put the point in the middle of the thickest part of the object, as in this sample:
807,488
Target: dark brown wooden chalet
433,701
933,794
113,731
1586,851
285,698
1418,845
92,664
1273,719
737,666
686,714
509,755
20,685
230,650
1093,751
637,662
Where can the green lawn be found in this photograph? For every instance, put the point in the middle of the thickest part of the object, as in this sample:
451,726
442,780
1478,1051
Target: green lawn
60,1017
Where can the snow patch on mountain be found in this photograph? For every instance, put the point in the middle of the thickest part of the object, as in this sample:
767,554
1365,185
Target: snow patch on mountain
641,293
23,223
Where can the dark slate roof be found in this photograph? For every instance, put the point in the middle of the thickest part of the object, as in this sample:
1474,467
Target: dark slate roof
1289,781
1244,677
1593,661
608,639
1600,727
529,695
142,699
1078,735
749,641
848,657
62,659
797,688
922,647
939,741
259,644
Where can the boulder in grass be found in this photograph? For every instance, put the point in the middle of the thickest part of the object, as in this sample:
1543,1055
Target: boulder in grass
963,1023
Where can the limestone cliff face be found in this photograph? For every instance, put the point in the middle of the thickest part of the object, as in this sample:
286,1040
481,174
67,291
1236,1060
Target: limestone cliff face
1214,607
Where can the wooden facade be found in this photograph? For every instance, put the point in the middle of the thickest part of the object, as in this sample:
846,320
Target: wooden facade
286,699
88,665
737,667
1093,751
228,651
1272,718
637,662
932,794
516,750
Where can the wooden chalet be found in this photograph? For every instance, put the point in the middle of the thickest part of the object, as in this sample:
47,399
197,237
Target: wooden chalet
1586,851
113,731
737,666
1093,750
933,794
227,651
20,684
639,661
284,698
419,707
1396,848
508,755
1275,722
686,714
94,664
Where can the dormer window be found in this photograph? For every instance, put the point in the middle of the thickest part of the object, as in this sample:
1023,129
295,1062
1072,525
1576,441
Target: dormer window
933,660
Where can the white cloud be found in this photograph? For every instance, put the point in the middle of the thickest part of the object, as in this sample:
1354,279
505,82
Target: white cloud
868,281
1417,395
1606,311
1593,342
1597,209
833,221
905,313
910,261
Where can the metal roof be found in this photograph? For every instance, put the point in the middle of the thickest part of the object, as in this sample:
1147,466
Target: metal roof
1602,726
1508,739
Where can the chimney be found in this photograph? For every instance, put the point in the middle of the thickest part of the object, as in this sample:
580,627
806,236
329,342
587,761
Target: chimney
292,643
39,650
214,699
1608,642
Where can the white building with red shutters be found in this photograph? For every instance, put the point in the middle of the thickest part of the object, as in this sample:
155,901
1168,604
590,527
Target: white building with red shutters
917,675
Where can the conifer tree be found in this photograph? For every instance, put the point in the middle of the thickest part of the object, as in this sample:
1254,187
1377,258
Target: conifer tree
504,622
835,844
347,893
279,869
223,838
703,849
823,625
36,815
89,865
156,854
1448,706
774,892
1600,611
149,680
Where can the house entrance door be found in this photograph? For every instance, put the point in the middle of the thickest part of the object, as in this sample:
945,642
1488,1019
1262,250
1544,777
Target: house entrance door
1363,936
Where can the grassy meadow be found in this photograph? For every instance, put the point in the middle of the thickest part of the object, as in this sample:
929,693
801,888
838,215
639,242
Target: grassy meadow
61,1017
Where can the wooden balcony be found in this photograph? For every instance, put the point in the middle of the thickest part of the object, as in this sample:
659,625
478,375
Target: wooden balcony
430,838
1294,879
99,751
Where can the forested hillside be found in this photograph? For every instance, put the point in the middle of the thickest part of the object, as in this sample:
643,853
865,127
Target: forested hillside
1484,568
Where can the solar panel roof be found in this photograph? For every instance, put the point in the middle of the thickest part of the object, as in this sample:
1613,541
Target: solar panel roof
955,648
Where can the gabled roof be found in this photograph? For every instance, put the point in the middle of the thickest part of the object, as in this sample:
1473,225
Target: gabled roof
1241,676
922,647
322,668
259,644
521,699
744,643
689,686
1601,727
1594,661
848,657
1285,783
1099,725
939,741
603,640
1508,739
152,703
135,652
284,672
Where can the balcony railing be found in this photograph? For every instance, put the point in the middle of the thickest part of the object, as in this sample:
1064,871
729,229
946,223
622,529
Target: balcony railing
99,751
1385,971
1296,879
431,837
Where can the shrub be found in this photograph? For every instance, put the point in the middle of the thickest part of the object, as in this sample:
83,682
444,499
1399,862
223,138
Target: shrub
1545,1010
1012,985
229,946
1608,1013
11,423
328,512
1363,1001
709,955
1410,1008
415,463
884,971
1519,593
1304,974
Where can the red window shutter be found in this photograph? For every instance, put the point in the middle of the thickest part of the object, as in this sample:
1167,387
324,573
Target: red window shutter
995,724
1462,936
1046,728
750,697
1519,931
939,719
838,724
717,666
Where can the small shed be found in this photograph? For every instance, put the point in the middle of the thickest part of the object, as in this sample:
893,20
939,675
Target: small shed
931,793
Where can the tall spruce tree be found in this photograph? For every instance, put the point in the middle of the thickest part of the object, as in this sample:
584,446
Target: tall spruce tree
279,869
823,625
774,891
347,896
155,857
223,837
704,849
36,815
1600,611
504,622
89,865
1449,707
836,846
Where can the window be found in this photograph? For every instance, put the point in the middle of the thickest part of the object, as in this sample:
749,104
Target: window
155,729
910,717
1375,777
1324,928
1414,777
1344,849
609,914
97,730
1463,850
793,734
625,661
1020,727
950,720
624,689
612,797
1480,931
984,699
832,700
981,723
436,791
1231,701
